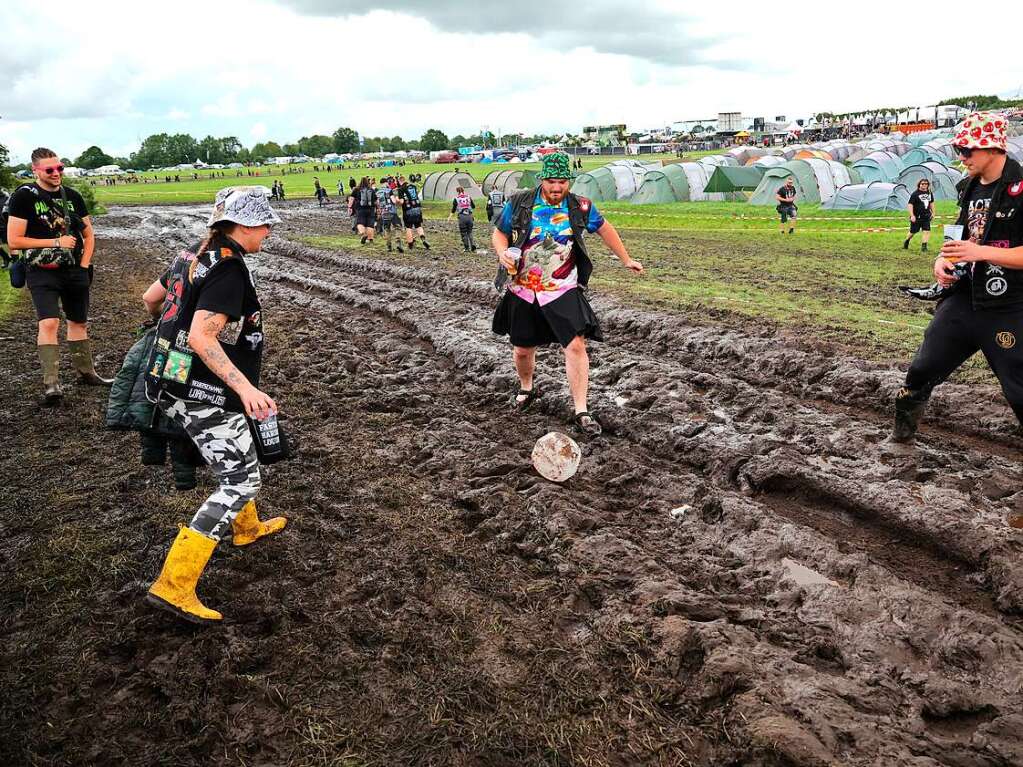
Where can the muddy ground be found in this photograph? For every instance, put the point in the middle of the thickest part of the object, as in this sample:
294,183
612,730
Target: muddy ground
742,573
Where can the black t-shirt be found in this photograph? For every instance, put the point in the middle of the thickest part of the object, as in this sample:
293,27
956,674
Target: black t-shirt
227,289
44,212
789,195
977,208
921,202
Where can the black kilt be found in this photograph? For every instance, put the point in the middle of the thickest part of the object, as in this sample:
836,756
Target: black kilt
561,321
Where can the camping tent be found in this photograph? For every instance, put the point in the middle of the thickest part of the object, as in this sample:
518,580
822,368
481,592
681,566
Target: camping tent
943,147
879,166
868,147
508,180
441,185
727,179
877,195
815,180
618,180
802,176
769,161
744,154
943,179
838,149
670,184
806,154
1014,149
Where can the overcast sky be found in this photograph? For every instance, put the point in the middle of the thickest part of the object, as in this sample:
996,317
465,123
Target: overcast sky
111,73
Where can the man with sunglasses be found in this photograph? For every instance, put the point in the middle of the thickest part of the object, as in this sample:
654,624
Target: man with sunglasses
50,224
982,310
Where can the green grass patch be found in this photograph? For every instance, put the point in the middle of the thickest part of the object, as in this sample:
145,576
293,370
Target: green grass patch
9,297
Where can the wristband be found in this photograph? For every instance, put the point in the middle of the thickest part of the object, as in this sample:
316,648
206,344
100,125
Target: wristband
56,242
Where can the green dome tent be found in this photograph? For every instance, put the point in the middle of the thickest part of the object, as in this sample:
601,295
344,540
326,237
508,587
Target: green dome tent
879,166
669,184
803,176
618,180
943,179
509,180
441,185
877,195
728,179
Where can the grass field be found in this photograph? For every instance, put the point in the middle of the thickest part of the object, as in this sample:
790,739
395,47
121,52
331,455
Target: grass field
833,278
9,297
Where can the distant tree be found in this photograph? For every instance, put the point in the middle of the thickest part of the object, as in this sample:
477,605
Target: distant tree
434,141
459,140
290,149
93,157
264,150
161,149
6,174
315,146
983,103
346,141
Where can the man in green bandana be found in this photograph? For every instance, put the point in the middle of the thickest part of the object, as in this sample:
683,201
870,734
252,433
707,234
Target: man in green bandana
545,302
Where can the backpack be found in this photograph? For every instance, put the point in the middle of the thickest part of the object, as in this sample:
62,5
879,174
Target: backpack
412,195
496,197
366,197
5,215
464,203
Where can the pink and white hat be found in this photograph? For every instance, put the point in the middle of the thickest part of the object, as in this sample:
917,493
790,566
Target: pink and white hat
981,130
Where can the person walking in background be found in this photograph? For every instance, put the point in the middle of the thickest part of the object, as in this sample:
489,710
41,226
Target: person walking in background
387,215
364,206
463,206
921,213
495,204
51,224
411,213
786,197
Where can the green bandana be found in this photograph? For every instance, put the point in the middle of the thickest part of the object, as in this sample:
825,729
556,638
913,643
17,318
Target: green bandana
555,165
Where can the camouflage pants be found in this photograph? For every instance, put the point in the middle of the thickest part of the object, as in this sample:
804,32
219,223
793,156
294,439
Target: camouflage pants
225,442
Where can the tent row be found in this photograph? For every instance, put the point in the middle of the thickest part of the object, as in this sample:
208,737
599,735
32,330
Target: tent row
508,181
877,195
618,180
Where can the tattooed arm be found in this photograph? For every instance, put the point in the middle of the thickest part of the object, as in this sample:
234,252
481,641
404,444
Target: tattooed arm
202,337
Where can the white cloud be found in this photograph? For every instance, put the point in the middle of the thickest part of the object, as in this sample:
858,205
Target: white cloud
385,72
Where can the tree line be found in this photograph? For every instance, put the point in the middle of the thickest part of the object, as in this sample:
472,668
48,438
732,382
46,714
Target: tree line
162,150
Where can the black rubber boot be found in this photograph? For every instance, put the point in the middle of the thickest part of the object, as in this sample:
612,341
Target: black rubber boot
425,243
905,244
908,409
154,449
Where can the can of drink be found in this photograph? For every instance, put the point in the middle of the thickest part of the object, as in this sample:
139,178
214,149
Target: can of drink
270,440
953,232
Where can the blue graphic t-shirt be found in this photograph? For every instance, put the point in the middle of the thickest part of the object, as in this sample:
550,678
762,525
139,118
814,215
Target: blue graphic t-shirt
548,268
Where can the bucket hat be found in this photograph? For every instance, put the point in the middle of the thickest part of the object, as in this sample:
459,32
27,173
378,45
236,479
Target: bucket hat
981,130
245,205
555,165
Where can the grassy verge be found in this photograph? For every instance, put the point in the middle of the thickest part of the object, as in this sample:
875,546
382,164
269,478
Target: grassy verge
9,297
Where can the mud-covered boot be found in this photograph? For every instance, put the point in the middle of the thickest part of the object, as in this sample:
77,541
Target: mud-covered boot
81,358
247,527
49,359
174,590
908,410
184,460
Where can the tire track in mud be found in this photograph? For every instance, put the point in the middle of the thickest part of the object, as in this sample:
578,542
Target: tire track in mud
737,435
712,602
707,612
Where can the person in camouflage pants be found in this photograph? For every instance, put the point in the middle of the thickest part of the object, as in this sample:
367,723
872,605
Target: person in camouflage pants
225,442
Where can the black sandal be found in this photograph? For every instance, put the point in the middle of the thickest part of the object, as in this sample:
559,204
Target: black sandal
529,394
587,424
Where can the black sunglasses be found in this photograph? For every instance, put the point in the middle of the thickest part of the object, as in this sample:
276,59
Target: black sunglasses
963,151
54,169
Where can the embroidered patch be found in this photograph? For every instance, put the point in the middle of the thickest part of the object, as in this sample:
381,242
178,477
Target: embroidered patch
1006,339
996,286
584,204
178,366
1015,190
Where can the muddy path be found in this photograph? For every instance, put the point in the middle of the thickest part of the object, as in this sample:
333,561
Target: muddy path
741,573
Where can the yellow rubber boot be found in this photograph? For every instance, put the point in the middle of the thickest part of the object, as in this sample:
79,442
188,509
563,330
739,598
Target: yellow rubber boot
174,590
247,528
